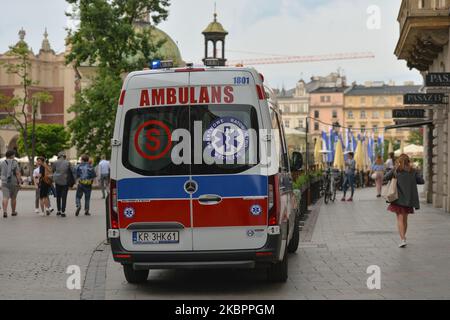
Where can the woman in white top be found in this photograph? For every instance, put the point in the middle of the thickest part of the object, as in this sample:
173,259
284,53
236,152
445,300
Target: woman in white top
390,163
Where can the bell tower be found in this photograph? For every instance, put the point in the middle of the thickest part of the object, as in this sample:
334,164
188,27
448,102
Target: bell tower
215,36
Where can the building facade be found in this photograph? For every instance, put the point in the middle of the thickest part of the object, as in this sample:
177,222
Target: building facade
326,103
294,104
50,74
370,107
424,44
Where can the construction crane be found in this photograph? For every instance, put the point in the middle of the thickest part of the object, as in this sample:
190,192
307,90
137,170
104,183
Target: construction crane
280,59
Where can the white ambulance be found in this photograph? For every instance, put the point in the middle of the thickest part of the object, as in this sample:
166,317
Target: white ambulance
200,174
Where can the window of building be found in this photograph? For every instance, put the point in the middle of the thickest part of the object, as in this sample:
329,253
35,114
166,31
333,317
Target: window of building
375,115
300,124
388,114
287,109
317,114
287,123
316,126
363,115
421,4
350,115
363,100
335,114
325,99
363,128
375,128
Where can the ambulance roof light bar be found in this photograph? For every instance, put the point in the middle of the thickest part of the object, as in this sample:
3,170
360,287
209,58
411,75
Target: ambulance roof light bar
161,64
212,62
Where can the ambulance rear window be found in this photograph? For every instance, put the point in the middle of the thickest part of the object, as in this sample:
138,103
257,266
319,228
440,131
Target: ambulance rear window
195,140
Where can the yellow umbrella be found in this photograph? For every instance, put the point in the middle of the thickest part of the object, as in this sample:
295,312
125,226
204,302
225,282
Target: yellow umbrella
339,157
359,156
318,158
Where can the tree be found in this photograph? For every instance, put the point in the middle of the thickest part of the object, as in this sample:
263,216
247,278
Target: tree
50,140
416,137
21,109
107,38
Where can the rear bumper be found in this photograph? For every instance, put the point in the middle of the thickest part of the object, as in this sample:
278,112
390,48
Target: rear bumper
238,259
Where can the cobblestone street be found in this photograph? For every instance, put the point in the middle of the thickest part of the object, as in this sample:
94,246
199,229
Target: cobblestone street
331,264
35,251
347,239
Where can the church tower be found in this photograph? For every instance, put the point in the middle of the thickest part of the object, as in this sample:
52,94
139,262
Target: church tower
215,36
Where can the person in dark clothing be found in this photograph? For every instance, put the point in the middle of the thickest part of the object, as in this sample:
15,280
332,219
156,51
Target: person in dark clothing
85,174
62,172
408,196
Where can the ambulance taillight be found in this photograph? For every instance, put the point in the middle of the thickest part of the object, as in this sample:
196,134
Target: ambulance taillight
274,206
113,208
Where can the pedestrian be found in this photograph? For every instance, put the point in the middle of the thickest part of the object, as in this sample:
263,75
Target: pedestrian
37,198
11,181
85,174
104,171
45,184
408,196
377,174
390,162
63,178
349,179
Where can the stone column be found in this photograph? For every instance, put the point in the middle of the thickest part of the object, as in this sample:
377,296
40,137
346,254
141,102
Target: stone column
439,158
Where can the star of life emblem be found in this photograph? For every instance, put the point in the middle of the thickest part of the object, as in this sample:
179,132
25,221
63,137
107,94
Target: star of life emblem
227,139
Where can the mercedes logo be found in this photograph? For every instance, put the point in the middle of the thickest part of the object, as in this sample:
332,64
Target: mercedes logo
191,187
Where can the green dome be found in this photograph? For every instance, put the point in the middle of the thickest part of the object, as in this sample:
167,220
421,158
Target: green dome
169,49
215,27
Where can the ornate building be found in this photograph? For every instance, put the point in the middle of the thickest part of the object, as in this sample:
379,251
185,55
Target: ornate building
294,104
49,71
424,44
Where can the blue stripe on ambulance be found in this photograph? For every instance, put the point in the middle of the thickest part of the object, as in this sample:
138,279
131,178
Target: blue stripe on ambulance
173,187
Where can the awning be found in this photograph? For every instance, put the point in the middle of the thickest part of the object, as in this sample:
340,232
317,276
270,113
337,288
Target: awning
410,125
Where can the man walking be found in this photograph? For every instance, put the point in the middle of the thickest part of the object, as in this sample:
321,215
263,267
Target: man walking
61,176
11,181
349,181
85,174
104,169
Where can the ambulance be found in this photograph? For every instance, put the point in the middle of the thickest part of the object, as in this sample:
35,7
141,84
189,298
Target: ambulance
200,174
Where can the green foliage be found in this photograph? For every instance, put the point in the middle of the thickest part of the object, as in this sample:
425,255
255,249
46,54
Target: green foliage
107,38
50,140
301,181
96,108
416,137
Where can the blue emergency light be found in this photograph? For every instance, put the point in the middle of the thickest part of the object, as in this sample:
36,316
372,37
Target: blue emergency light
161,64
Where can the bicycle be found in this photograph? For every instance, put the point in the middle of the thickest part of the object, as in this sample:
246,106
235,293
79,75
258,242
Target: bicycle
331,185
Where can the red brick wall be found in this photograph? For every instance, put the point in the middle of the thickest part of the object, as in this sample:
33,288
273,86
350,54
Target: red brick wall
53,112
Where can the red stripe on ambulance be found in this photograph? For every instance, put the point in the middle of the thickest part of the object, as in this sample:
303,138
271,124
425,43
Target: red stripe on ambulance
186,95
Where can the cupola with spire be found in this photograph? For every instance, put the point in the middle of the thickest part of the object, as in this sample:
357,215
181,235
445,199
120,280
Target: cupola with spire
215,34
46,44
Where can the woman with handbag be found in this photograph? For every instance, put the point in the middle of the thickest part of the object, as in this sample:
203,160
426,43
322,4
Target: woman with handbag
402,193
377,174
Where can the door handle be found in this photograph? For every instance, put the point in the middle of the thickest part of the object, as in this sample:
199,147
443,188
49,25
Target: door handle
209,199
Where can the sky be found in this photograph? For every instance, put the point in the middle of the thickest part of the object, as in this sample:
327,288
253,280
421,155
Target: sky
263,27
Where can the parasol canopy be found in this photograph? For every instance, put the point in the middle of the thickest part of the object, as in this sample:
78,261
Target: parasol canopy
339,157
412,150
359,156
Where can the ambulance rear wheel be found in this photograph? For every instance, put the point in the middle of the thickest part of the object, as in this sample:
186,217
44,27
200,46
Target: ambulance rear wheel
135,276
295,241
278,272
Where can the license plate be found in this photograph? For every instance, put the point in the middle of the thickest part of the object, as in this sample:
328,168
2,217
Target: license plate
146,237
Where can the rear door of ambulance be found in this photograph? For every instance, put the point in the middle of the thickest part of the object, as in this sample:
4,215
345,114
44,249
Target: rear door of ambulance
230,204
153,206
